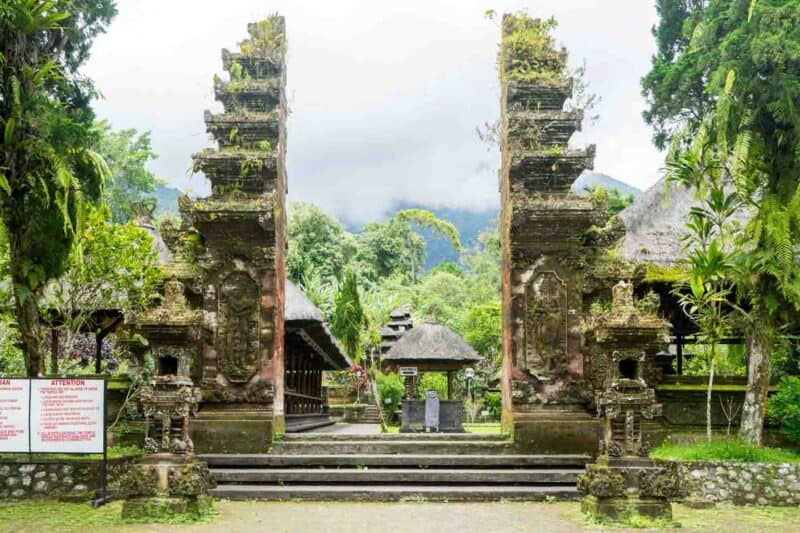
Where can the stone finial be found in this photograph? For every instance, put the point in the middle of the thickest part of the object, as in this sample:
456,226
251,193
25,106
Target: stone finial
143,211
174,297
622,298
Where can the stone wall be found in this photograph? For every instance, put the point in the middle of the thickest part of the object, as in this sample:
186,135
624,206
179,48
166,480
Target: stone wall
738,483
75,479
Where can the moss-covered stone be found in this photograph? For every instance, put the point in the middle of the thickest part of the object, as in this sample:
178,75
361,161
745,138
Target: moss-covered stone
158,508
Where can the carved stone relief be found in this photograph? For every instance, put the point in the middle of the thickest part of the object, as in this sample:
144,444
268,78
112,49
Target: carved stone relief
545,323
238,327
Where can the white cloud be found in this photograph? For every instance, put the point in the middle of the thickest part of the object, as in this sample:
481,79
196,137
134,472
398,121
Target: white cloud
385,97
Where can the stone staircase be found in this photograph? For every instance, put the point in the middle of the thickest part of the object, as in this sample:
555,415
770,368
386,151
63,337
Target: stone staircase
395,467
371,415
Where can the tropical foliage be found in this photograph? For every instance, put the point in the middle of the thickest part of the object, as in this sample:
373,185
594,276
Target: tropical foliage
127,153
348,316
46,167
784,408
112,266
723,94
464,296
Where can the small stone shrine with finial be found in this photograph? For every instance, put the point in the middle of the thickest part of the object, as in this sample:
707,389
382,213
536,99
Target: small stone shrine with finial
170,477
625,342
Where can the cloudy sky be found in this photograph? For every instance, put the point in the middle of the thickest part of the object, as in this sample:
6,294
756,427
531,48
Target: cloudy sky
385,96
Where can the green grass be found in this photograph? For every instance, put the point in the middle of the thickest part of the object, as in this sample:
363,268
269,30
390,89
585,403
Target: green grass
491,427
724,450
56,516
114,452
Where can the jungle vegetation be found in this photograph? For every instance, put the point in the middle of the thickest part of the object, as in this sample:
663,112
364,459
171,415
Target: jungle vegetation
724,95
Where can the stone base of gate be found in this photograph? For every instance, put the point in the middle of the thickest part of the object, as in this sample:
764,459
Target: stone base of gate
558,431
233,429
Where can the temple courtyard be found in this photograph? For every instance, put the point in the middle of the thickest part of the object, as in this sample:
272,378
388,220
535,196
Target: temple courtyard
290,517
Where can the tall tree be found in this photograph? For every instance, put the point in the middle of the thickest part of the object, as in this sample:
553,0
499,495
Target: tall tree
424,219
395,249
127,153
726,84
348,316
318,245
46,167
112,266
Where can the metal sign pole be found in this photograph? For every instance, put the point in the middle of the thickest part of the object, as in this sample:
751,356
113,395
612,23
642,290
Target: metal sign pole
30,446
104,466
105,440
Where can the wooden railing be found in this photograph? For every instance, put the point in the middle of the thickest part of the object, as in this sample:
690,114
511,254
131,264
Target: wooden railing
304,404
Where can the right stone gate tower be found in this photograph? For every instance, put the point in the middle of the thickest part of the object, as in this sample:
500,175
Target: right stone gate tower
546,396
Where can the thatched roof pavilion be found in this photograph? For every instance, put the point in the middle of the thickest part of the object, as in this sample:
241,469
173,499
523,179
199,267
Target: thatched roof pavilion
431,347
305,319
399,322
656,222
655,225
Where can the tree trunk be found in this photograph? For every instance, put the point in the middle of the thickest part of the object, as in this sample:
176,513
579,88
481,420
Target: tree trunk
26,308
759,356
708,395
28,323
54,341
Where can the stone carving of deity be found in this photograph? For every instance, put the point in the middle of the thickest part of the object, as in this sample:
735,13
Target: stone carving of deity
239,326
545,323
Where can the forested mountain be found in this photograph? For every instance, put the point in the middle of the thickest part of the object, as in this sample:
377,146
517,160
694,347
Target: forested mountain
471,222
590,179
167,198
468,222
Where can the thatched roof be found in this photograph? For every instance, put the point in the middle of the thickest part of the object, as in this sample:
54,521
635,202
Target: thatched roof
159,246
431,342
297,305
656,222
301,314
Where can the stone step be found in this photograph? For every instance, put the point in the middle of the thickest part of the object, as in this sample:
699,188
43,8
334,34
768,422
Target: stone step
299,447
393,493
299,427
395,476
301,423
390,460
392,437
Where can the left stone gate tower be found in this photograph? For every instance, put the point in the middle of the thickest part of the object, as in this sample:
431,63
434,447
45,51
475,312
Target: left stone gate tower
240,240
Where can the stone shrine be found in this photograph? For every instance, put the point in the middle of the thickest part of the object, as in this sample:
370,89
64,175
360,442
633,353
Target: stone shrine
623,481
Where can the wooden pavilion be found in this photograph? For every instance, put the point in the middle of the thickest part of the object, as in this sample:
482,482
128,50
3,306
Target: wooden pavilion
430,347
310,349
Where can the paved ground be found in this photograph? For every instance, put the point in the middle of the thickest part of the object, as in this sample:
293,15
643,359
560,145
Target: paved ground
349,429
458,518
377,518
293,517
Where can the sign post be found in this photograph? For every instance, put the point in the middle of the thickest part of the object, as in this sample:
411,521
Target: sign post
43,415
14,409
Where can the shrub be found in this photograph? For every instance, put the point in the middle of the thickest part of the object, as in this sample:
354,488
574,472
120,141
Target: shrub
11,361
784,407
390,386
494,404
435,381
724,450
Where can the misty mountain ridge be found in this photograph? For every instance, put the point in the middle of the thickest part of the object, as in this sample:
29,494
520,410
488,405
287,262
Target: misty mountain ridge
469,222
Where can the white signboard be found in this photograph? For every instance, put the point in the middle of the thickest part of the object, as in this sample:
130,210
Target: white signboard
408,371
14,394
67,415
